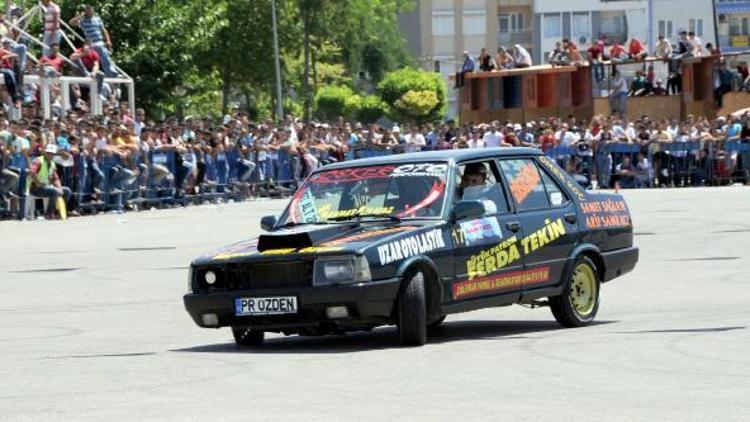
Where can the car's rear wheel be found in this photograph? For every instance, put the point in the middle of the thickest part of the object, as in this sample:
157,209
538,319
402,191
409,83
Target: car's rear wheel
412,311
578,304
247,336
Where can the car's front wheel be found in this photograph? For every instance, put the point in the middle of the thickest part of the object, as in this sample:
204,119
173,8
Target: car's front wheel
247,336
578,304
412,311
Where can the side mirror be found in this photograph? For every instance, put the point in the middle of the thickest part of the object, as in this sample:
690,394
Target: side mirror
268,222
464,210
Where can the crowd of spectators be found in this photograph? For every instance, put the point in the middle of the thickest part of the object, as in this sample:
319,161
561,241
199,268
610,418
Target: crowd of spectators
108,157
643,82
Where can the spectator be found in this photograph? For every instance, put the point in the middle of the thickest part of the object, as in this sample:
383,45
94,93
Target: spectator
617,53
659,89
636,50
674,80
521,57
722,83
639,86
414,140
44,181
503,59
684,46
494,137
663,48
644,172
7,66
475,141
485,61
626,173
467,67
88,64
557,56
571,50
98,37
695,45
52,64
51,33
744,74
596,59
619,94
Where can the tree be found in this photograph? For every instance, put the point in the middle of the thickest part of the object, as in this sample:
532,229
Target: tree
414,95
331,102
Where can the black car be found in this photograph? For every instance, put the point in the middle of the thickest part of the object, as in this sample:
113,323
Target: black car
408,239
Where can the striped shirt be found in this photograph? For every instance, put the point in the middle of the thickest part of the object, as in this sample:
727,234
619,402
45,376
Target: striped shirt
51,17
93,28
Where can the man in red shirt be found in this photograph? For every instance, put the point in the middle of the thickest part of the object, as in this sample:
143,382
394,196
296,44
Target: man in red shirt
7,66
52,64
88,64
617,53
636,51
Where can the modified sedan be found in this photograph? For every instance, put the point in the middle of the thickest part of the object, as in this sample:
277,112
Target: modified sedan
409,239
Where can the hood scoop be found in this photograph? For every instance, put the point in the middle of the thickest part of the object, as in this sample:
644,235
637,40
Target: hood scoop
302,237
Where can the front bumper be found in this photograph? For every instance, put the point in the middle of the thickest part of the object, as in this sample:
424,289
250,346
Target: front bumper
366,302
619,262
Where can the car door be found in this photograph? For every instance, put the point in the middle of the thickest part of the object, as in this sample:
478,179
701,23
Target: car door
548,218
487,253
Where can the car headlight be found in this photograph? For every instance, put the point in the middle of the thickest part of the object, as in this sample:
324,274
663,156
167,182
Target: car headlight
341,270
190,279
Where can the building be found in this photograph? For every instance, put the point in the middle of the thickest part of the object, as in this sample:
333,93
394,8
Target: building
619,20
733,17
439,31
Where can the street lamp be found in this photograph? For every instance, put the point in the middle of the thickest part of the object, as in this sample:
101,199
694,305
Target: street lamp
279,104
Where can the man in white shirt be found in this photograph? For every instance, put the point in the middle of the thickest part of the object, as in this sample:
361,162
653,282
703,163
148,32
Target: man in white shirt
414,140
475,141
619,94
565,137
494,137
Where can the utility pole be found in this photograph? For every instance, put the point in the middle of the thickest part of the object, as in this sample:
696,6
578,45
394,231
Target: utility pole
651,24
279,104
716,26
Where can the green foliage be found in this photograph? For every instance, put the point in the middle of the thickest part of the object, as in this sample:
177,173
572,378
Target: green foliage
414,95
331,102
224,48
371,109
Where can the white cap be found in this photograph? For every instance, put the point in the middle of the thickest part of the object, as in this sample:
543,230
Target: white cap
51,148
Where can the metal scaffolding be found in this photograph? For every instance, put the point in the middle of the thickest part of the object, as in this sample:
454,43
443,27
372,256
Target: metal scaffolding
46,84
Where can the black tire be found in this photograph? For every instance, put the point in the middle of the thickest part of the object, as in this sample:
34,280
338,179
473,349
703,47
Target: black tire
562,306
412,311
246,337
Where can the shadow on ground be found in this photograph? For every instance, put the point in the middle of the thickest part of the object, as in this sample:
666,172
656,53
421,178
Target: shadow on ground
386,338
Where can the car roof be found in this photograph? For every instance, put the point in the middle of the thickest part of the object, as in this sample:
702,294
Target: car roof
456,155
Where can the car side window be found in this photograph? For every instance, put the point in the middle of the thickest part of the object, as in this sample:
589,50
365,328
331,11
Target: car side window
479,181
557,196
525,183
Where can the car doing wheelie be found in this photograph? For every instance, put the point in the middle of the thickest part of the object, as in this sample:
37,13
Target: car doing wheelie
408,239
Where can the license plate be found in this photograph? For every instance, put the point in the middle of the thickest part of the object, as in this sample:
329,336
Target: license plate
277,305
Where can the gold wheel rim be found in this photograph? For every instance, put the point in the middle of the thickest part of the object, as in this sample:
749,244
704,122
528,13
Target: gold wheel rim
582,290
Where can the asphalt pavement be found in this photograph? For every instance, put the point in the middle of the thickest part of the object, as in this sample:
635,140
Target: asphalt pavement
92,327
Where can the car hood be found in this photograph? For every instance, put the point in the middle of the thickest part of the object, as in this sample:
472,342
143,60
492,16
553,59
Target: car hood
312,240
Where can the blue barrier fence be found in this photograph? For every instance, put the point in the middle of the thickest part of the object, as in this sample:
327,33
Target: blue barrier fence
157,177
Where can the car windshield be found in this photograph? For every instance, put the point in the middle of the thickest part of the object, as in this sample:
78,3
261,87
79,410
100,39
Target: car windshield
384,191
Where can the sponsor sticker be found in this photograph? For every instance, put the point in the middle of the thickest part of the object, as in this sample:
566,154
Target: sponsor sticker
366,235
423,169
610,213
525,182
411,246
500,282
476,231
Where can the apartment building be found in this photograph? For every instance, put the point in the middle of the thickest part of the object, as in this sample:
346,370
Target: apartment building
733,18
